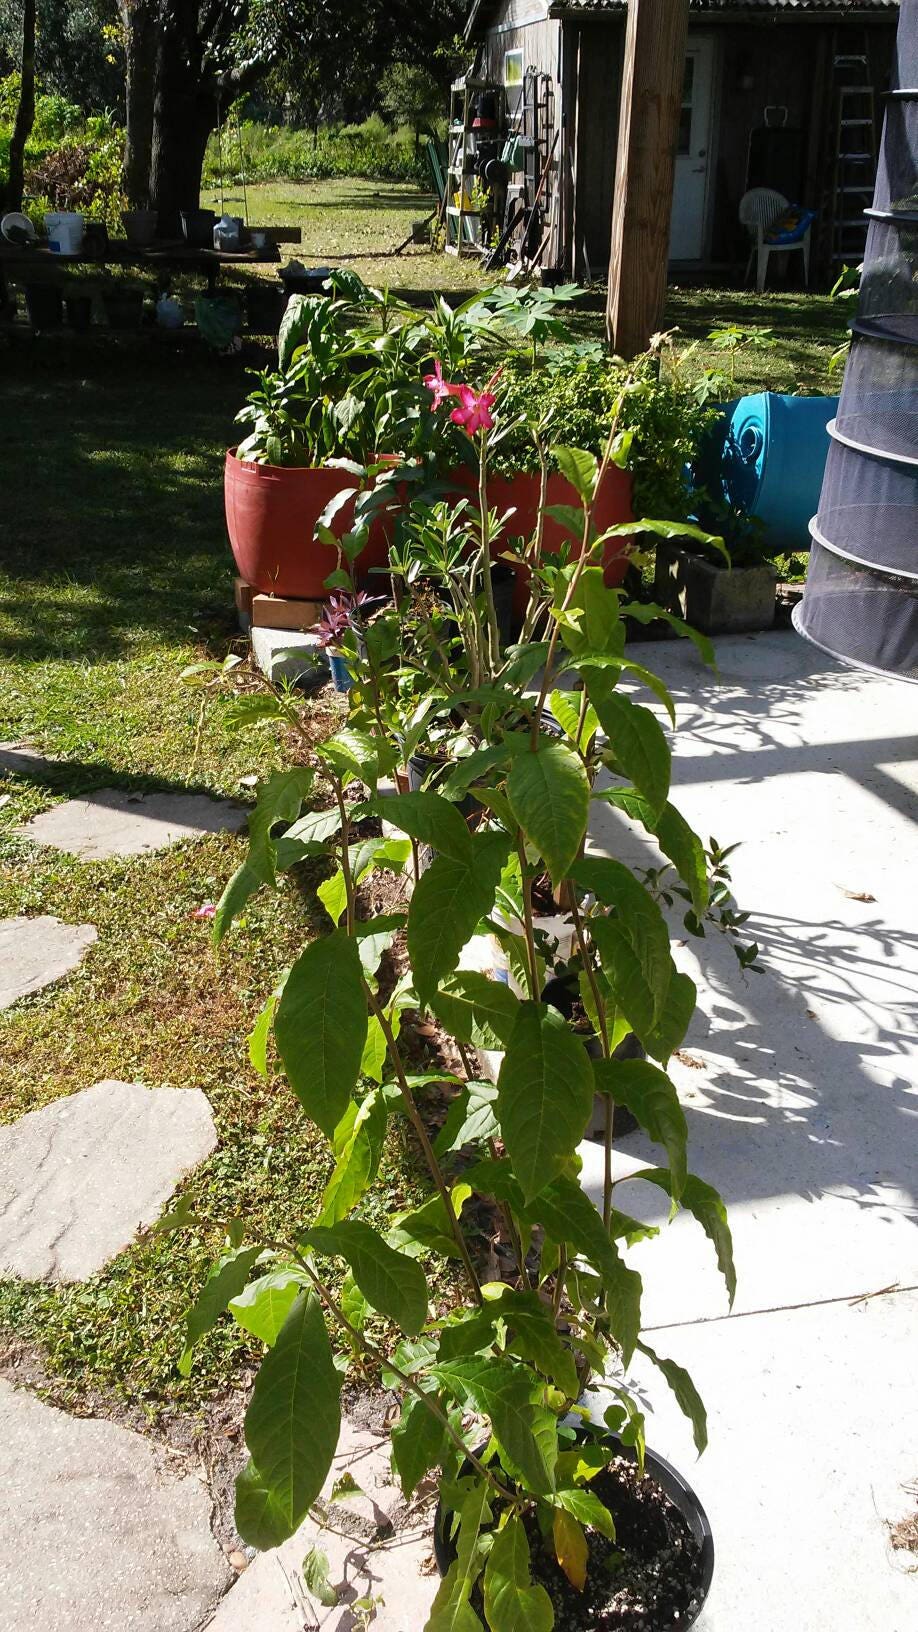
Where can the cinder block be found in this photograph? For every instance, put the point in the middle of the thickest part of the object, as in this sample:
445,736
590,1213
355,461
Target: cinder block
286,654
279,612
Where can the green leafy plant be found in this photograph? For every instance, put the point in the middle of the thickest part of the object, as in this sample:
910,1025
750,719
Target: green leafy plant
531,735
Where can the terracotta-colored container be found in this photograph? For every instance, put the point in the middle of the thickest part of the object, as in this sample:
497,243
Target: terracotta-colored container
271,516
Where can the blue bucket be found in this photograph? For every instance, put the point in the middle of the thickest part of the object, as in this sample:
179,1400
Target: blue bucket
768,457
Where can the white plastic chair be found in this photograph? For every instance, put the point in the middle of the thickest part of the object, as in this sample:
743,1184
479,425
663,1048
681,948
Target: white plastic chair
759,209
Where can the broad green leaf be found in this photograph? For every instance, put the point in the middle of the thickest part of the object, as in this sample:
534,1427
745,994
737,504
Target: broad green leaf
549,795
586,1508
471,1118
534,1337
316,826
417,1443
354,754
375,1049
225,1281
451,1611
649,612
582,1463
580,468
261,1031
477,764
593,623
508,1394
260,1516
476,1009
265,1303
391,1282
279,800
633,945
321,1027
447,906
292,1424
374,936
332,893
431,819
638,743
377,855
468,1333
358,1160
568,1214
512,1603
649,1095
428,1226
676,839
244,883
571,1548
565,708
705,1205
664,1038
686,1394
314,1569
545,1095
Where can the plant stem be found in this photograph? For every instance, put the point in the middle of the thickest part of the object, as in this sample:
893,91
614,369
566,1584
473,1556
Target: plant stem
406,1380
436,1172
526,883
345,854
493,644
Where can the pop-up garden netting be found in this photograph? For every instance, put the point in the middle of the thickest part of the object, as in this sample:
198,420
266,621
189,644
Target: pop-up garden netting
861,600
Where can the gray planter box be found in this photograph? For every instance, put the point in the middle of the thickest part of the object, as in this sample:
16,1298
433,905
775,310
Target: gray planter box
717,600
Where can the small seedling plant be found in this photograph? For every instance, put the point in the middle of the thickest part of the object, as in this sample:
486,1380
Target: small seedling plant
512,1397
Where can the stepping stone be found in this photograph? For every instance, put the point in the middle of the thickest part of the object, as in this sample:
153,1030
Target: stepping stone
23,760
34,952
79,1177
97,1530
113,823
393,1566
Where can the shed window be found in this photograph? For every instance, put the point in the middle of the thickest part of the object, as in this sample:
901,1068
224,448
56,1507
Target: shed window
513,69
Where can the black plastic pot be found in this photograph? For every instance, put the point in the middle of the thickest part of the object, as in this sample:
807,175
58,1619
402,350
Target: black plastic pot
198,228
677,1489
123,307
264,307
44,305
79,312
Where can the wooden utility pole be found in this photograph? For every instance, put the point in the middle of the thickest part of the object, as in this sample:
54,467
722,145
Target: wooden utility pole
652,80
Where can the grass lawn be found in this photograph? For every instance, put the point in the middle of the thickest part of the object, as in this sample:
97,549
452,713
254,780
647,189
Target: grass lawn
353,223
114,575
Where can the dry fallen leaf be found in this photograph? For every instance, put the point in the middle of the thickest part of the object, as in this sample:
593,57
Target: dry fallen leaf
857,895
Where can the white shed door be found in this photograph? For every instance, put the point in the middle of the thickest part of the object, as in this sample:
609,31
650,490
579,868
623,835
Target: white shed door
693,155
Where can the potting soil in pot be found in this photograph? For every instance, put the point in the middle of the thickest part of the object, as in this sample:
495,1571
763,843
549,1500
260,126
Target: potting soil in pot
649,1579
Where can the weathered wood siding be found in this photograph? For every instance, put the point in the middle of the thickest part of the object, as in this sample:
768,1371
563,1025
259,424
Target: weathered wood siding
595,51
522,25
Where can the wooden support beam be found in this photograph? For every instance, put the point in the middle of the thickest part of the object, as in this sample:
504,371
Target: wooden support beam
652,79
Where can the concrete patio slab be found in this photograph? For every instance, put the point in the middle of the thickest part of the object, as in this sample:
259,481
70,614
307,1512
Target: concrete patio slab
23,760
801,1083
394,1569
96,1530
79,1177
112,823
34,952
813,1417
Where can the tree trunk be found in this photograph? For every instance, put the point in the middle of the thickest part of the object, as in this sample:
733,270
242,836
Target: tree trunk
25,112
141,21
652,80
184,114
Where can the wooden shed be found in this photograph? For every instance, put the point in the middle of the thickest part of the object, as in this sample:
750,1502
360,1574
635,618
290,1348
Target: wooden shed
778,93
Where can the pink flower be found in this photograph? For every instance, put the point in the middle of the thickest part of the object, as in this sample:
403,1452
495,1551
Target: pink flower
475,413
440,388
207,909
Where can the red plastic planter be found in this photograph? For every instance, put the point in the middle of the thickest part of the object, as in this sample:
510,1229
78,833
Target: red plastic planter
271,516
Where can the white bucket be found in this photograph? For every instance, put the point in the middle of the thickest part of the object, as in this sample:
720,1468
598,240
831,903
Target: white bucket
65,232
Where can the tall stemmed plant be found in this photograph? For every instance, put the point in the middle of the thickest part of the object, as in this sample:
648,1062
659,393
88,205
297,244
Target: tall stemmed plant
518,1357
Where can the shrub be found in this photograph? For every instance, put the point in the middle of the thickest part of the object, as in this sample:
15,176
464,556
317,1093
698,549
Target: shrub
72,162
279,153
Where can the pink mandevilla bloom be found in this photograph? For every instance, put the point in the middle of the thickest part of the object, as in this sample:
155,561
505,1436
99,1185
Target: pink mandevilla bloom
439,387
475,412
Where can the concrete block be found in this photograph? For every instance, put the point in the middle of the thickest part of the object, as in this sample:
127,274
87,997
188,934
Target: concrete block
715,599
286,654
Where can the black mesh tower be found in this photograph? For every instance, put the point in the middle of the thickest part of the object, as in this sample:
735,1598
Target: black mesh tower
861,600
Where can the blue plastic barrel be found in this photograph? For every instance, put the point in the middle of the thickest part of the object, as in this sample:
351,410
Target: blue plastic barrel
773,458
